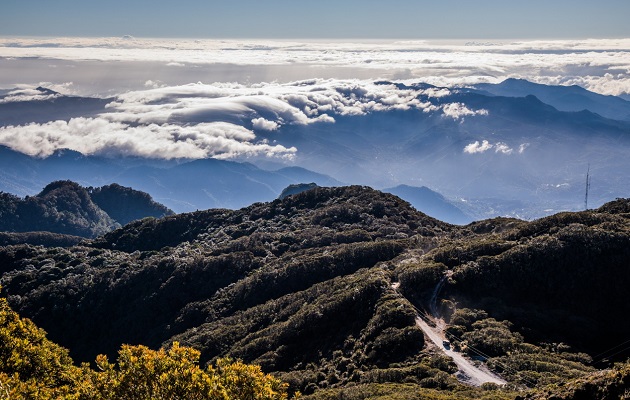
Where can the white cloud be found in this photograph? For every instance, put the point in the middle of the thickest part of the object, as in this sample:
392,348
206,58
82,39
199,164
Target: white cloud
264,125
477,147
104,137
602,65
459,110
522,147
154,84
27,94
501,147
264,104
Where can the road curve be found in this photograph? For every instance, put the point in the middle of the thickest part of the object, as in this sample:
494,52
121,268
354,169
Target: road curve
468,373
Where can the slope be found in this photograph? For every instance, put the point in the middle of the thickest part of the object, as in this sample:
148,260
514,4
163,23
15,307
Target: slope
304,286
66,208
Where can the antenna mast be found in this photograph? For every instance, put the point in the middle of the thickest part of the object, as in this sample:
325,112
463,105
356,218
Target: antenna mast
588,186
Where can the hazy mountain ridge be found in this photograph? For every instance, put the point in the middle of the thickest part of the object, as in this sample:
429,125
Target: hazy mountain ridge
303,286
42,105
523,146
564,98
182,186
431,203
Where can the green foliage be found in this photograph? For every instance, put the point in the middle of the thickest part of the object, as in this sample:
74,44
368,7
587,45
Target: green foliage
492,337
62,207
303,288
32,367
507,353
141,373
406,391
29,363
125,204
39,238
612,384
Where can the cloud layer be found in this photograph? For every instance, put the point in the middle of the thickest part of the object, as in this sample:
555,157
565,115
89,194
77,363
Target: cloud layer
166,141
224,120
600,65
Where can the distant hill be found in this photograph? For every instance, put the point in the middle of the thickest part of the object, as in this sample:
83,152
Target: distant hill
430,203
320,288
65,207
181,186
61,207
295,189
125,204
564,98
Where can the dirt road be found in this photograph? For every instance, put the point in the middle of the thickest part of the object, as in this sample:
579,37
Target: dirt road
468,372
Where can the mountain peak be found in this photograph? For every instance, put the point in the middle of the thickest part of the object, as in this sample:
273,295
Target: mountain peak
47,91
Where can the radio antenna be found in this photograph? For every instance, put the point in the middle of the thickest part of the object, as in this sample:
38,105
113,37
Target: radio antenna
588,186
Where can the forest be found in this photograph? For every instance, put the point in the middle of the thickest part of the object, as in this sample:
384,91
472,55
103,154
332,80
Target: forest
321,290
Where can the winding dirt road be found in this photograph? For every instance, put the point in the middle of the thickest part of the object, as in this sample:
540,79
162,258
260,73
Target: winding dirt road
468,373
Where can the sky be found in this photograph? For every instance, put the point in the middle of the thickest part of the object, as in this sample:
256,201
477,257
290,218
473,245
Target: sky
323,19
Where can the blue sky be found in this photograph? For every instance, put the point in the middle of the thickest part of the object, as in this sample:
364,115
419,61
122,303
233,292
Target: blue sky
479,19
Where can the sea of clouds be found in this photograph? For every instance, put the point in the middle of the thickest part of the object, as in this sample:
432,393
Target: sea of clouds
600,65
226,98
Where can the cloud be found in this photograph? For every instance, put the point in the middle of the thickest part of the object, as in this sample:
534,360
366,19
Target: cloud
166,141
27,94
214,120
459,110
522,147
264,125
271,105
477,147
602,65
501,147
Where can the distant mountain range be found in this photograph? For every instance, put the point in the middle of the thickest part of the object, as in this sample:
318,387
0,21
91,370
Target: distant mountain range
563,98
431,203
515,148
187,186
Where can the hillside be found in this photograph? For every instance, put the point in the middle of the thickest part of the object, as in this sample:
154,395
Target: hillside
320,287
125,204
66,208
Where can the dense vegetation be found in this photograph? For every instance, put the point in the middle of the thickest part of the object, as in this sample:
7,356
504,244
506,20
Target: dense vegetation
295,189
32,367
125,204
319,289
66,208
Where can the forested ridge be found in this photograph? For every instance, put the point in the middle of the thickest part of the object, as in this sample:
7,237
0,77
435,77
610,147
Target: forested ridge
303,287
66,210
